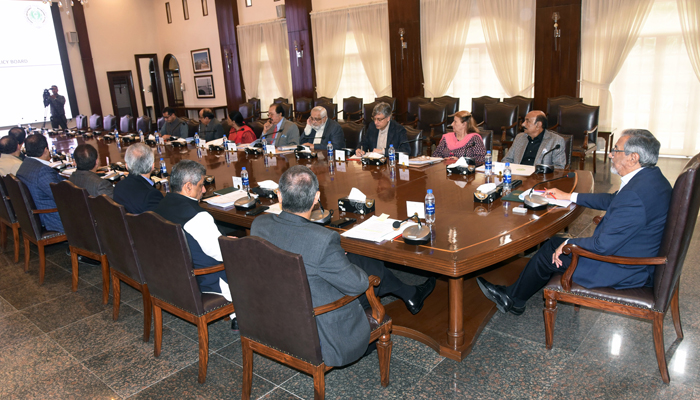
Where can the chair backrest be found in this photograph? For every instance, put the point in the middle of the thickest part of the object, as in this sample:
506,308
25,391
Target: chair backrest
478,104
412,107
126,123
77,220
417,146
389,100
81,122
167,268
6,211
257,128
280,100
568,147
143,124
352,108
23,204
432,114
553,104
321,100
96,122
114,236
451,106
271,293
525,105
192,126
110,122
288,111
500,115
577,118
487,137
256,106
160,124
303,105
331,109
247,111
367,109
680,224
353,133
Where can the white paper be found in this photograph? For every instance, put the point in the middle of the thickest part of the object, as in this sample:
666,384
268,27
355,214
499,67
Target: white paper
376,230
274,209
228,199
413,207
373,155
357,195
270,148
202,143
403,159
268,184
404,175
340,155
340,166
429,160
237,182
216,142
550,200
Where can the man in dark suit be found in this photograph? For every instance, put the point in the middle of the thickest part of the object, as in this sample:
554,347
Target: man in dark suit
85,161
9,155
209,127
136,192
382,132
320,130
633,226
19,134
279,130
37,175
332,274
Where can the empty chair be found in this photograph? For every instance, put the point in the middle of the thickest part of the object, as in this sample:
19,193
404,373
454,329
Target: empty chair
110,122
28,217
352,109
143,124
501,118
415,138
412,109
353,133
431,120
302,108
276,315
451,106
8,219
80,229
172,281
256,106
321,100
280,100
389,100
525,105
81,122
331,109
581,121
160,124
116,241
478,104
96,122
247,111
126,123
553,104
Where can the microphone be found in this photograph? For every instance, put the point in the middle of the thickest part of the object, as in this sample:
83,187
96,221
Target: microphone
410,141
546,168
414,217
539,202
414,234
321,216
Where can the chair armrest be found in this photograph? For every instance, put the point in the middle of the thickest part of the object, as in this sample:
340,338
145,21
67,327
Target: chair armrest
45,211
585,136
551,128
597,219
480,123
577,252
373,281
438,124
208,270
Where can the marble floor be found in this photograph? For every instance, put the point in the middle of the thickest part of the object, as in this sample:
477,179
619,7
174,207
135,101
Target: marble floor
58,344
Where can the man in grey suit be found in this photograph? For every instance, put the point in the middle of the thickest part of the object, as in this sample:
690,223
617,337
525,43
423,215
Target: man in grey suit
320,130
85,161
279,130
534,146
209,127
331,272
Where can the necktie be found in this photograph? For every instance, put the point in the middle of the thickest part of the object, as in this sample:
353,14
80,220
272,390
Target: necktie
274,136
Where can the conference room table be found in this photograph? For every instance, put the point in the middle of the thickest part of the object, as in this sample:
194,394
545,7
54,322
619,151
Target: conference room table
468,239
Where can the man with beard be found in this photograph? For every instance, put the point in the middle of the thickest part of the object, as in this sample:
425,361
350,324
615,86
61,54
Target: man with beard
320,130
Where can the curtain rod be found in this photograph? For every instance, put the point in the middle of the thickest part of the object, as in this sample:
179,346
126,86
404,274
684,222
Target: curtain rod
348,8
269,21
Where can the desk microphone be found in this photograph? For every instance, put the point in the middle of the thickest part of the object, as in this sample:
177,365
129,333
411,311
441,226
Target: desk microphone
410,141
244,202
258,141
414,234
321,216
538,202
546,168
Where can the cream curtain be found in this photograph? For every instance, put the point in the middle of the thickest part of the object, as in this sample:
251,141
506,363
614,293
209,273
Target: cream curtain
274,34
370,25
609,30
249,40
443,34
509,32
328,30
689,14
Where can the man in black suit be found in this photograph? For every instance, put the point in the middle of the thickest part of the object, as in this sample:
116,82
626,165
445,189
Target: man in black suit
19,134
85,157
382,132
320,130
136,192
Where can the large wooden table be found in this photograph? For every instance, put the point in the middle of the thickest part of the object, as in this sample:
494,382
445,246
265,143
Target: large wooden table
469,239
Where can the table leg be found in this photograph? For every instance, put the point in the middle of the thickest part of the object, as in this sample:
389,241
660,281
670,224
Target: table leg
455,330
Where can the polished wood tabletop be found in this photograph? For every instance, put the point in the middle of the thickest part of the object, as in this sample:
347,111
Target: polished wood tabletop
468,238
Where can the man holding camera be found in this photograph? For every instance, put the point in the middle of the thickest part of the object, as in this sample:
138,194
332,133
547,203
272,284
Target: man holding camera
57,103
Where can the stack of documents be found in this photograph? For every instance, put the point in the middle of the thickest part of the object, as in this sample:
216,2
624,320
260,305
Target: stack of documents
228,199
376,230
423,161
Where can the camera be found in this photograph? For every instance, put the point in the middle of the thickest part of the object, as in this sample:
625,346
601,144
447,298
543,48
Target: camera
47,97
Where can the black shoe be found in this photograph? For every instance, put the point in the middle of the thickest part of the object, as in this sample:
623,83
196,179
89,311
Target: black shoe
234,325
415,303
497,294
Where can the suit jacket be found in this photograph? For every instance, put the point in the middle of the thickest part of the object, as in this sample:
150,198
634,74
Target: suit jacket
396,136
91,182
633,226
136,194
177,128
549,141
331,133
287,135
9,164
344,333
37,176
212,131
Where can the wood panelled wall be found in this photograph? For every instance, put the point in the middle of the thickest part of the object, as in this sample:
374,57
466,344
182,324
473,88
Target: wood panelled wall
86,56
299,31
406,73
227,17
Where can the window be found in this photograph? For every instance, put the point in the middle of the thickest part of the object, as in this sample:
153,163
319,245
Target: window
267,88
353,81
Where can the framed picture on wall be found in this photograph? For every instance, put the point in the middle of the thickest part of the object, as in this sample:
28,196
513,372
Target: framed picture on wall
201,60
204,85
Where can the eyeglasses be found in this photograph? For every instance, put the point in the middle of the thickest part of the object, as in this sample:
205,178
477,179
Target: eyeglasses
377,119
316,119
613,151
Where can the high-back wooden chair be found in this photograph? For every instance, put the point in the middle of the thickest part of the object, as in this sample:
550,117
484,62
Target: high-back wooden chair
478,104
581,121
352,109
8,219
502,118
553,104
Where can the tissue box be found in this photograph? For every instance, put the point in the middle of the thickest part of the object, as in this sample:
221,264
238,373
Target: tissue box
356,207
490,197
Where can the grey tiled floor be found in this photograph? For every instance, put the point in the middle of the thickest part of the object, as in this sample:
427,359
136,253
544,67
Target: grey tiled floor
58,344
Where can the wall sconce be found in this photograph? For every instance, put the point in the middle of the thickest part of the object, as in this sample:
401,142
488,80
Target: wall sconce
404,45
557,31
299,50
182,86
228,56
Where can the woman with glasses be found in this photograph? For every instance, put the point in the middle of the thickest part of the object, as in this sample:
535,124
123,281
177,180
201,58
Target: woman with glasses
465,141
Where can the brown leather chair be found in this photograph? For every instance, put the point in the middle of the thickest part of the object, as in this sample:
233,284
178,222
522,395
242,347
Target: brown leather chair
431,120
581,121
256,106
367,109
288,110
321,100
412,109
116,241
478,104
171,280
8,219
487,137
352,109
192,126
650,303
525,105
353,133
553,104
568,145
451,106
417,146
280,100
29,221
257,128
79,225
275,312
302,108
502,118
247,111
389,100
331,110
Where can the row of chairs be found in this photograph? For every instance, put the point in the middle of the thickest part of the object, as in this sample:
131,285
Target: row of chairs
125,124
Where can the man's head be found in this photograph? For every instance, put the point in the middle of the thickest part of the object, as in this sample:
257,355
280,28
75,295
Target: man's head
139,159
37,146
207,116
187,179
169,114
318,117
54,89
202,111
535,123
85,157
8,145
634,149
18,133
381,115
276,113
298,189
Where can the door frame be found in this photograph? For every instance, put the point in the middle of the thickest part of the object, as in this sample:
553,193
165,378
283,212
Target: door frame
111,77
157,93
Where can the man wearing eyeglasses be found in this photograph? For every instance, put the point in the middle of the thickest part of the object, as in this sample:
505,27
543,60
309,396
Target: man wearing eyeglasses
382,132
320,130
279,130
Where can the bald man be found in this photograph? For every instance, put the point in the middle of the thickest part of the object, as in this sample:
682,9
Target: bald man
530,146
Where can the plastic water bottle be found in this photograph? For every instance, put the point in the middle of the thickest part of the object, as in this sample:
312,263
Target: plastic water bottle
244,179
507,175
488,166
116,134
429,207
330,150
53,151
196,139
392,155
224,142
141,136
157,136
264,144
163,168
69,156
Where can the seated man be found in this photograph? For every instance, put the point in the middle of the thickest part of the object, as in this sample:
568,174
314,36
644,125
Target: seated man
136,192
37,175
535,144
209,127
633,226
181,206
278,130
174,126
320,130
19,134
332,273
85,161
9,156
382,132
